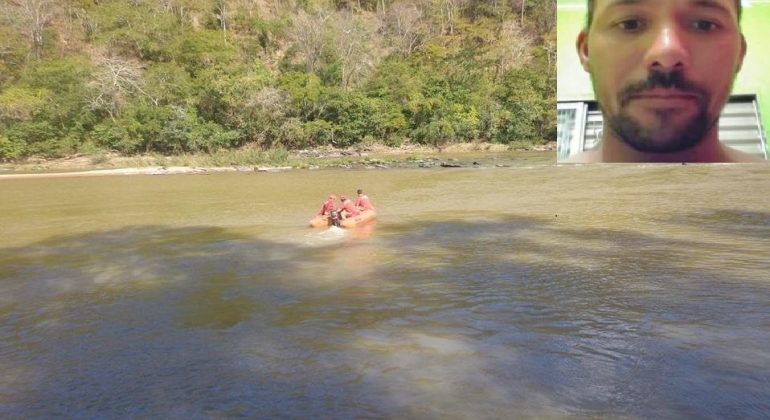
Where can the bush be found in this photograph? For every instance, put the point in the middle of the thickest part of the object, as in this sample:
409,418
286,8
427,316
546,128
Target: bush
122,136
291,134
40,137
319,132
99,158
437,133
395,141
11,149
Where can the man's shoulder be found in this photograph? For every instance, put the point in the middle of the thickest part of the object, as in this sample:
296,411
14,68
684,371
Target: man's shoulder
591,156
727,155
737,156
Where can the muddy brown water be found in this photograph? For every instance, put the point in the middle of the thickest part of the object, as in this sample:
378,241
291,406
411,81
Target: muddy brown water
533,291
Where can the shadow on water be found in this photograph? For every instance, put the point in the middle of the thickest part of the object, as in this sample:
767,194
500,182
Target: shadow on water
489,318
641,322
745,223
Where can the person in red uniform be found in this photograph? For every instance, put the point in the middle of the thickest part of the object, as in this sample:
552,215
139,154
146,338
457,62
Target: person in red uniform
347,209
328,206
363,202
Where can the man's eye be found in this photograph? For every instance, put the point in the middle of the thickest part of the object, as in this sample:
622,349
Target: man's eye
630,25
704,25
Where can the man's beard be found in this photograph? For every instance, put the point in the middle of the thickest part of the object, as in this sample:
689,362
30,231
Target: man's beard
667,136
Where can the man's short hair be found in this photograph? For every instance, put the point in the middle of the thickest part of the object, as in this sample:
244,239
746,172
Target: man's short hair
590,15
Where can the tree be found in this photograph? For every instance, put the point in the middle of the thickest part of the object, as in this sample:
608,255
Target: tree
13,55
304,89
203,50
352,47
64,83
243,99
542,14
527,95
438,133
511,48
399,83
308,36
20,104
168,84
118,81
265,110
447,10
406,28
222,17
32,17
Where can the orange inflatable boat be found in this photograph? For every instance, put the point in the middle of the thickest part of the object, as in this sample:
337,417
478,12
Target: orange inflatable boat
363,217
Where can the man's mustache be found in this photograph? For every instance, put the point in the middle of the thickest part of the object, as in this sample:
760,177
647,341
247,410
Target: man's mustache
665,80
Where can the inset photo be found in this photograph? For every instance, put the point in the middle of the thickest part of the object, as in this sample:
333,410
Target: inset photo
663,81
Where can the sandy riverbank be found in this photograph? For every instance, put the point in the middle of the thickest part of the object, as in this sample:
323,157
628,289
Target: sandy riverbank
380,157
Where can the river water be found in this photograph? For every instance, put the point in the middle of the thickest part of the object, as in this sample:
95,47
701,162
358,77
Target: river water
535,291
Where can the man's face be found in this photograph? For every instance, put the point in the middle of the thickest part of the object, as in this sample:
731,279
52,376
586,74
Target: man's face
662,70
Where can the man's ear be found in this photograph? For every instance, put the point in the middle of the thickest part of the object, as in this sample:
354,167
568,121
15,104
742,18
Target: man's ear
743,53
582,49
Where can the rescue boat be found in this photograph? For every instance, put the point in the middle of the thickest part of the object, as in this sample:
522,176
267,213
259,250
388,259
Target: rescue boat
350,222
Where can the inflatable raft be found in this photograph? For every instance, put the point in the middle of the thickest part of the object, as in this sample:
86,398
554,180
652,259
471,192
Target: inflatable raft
363,217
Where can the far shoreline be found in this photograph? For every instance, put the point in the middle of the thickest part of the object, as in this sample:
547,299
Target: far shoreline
374,157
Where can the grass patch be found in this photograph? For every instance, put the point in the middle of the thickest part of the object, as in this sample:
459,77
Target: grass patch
414,158
222,158
99,158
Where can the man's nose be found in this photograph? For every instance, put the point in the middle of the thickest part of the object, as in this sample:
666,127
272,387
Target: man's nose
668,51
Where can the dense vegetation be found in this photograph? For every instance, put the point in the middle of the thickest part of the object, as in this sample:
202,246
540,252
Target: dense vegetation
183,76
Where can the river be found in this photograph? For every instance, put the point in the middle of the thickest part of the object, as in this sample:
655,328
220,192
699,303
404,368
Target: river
534,291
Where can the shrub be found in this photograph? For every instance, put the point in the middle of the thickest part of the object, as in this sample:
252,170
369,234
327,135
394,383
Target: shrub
11,149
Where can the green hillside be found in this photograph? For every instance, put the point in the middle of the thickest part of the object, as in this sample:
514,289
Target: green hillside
185,76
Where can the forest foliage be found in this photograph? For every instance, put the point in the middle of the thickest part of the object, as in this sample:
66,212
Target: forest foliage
184,76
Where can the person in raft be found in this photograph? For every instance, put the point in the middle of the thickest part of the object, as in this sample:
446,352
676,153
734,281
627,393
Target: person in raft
347,209
328,206
363,202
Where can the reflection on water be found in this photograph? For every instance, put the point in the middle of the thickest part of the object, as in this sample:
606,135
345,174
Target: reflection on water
531,292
